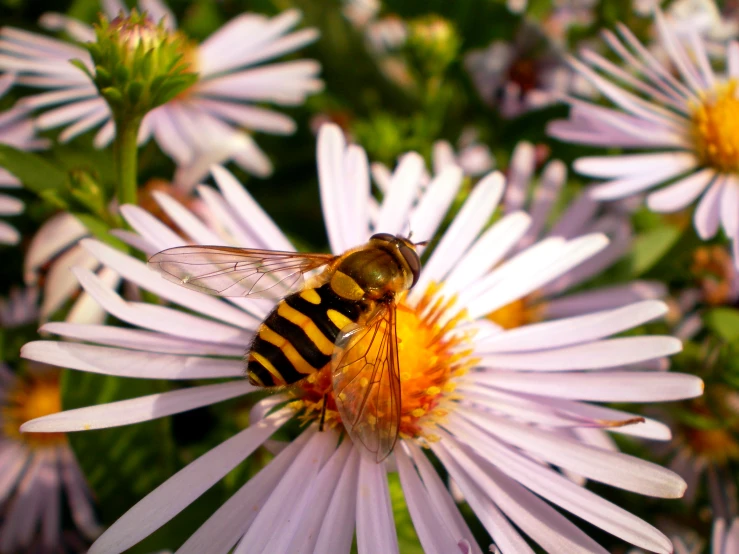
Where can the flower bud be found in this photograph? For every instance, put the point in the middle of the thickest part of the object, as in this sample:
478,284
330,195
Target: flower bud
139,64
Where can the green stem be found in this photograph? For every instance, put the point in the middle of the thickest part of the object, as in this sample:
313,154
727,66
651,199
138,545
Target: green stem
125,159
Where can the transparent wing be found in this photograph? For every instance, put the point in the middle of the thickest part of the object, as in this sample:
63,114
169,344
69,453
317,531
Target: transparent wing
226,271
366,382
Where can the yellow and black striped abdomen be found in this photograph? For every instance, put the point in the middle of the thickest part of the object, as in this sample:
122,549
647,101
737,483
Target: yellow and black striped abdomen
298,336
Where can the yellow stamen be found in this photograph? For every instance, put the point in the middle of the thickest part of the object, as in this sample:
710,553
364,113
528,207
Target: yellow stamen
519,312
32,398
716,128
429,359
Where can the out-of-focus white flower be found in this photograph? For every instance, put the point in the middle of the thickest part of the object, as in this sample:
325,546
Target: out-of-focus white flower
496,407
19,308
53,251
37,470
210,114
526,74
473,157
16,129
688,124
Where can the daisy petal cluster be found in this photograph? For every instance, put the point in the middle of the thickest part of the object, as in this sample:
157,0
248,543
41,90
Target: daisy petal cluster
16,130
514,416
680,119
538,196
204,120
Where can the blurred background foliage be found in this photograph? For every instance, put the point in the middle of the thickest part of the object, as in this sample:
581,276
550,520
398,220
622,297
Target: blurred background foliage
389,103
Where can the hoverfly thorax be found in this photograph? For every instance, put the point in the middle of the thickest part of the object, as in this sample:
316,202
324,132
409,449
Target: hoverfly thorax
385,266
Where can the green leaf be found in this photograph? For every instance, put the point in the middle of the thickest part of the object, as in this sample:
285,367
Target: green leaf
100,231
36,174
724,322
650,247
122,464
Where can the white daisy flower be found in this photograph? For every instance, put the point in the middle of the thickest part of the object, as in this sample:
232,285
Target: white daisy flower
37,470
16,129
206,117
725,537
496,407
686,123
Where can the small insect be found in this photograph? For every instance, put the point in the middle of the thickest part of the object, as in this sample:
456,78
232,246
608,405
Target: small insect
345,318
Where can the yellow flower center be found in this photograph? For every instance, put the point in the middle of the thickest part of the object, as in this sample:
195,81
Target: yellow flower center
716,128
718,445
429,358
32,398
519,312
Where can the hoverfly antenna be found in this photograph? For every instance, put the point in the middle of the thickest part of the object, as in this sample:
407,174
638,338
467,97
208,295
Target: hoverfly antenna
422,243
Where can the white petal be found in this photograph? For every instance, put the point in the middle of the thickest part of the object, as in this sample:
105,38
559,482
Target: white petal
434,536
337,531
287,494
562,492
251,214
681,193
707,216
465,228
136,339
576,330
402,191
611,386
228,523
602,298
183,488
631,184
506,537
130,363
375,525
730,207
613,468
136,272
54,236
436,200
487,251
136,410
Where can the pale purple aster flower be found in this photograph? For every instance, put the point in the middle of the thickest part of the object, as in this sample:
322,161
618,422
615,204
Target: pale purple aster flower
36,470
581,217
688,125
19,308
53,251
16,129
525,74
232,77
496,407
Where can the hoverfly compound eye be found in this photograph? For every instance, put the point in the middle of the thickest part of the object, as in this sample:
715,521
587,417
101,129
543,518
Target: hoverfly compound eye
383,236
413,261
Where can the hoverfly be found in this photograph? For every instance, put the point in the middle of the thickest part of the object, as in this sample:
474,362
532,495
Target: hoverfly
345,317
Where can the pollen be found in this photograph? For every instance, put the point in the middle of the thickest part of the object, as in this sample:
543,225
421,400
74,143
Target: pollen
31,398
430,357
519,312
715,128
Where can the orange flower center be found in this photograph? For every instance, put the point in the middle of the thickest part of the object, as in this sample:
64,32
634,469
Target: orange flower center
32,398
716,128
429,358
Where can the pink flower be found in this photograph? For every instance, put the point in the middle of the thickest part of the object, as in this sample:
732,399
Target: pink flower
683,129
490,404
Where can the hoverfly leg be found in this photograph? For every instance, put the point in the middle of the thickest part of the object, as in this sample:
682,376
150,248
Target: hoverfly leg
323,412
